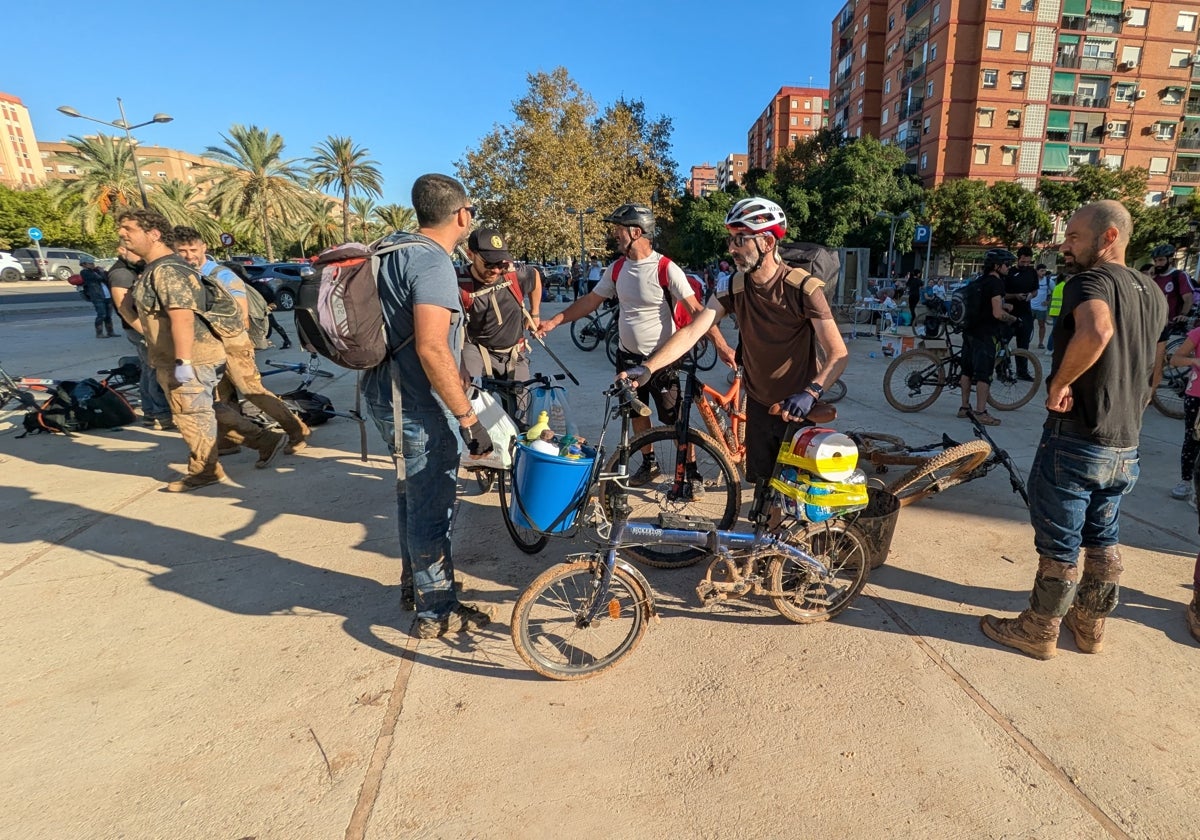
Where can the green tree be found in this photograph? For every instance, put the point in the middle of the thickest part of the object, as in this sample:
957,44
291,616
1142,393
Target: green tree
337,162
1015,216
319,224
106,180
362,209
958,211
41,207
396,217
183,204
696,235
257,181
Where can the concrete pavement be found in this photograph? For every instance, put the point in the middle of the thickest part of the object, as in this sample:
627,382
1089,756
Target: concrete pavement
233,662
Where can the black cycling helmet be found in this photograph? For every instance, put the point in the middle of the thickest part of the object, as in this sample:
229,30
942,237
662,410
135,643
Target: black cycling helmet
998,256
1160,251
633,215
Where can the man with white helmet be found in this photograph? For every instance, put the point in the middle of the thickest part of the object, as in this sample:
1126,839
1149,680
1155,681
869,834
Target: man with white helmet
783,317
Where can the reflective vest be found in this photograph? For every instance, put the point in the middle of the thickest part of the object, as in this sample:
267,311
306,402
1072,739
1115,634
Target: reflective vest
1056,298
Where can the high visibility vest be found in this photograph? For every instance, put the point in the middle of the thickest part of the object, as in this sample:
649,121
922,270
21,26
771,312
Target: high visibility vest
1056,298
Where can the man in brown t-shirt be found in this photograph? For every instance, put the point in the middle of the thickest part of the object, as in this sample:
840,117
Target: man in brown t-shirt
782,317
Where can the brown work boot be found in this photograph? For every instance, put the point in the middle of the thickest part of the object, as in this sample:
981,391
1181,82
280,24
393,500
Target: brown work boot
1087,629
295,444
1036,635
1193,618
194,482
272,444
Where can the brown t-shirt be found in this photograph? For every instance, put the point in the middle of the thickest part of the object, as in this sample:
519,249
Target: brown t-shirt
778,340
170,283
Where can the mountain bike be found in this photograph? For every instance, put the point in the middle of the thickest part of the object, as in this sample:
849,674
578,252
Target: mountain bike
704,352
1168,396
937,466
916,378
583,616
595,327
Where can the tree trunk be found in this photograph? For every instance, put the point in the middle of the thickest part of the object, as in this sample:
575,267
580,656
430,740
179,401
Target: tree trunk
266,229
345,214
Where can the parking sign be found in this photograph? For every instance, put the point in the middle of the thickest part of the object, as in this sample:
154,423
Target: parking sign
924,234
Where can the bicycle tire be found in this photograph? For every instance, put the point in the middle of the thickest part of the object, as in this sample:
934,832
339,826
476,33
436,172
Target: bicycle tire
834,392
586,333
526,539
612,345
721,502
909,378
1168,396
941,472
741,410
705,354
809,599
543,626
1007,392
485,481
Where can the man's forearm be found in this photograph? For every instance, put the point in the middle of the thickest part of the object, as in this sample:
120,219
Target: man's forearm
183,331
1083,351
683,340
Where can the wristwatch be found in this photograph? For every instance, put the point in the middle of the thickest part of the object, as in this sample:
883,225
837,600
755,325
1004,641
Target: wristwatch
816,389
183,361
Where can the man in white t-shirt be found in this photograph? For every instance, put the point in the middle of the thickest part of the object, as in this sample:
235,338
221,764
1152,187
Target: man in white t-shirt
1040,303
645,320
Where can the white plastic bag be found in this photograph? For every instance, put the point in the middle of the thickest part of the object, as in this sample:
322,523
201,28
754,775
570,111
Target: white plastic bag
500,427
552,399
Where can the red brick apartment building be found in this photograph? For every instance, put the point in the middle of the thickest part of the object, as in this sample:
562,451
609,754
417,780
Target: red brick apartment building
1017,90
792,114
703,181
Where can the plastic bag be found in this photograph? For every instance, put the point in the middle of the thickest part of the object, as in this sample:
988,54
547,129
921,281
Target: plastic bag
552,399
500,427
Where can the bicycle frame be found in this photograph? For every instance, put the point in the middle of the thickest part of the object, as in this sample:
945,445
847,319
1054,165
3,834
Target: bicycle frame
728,401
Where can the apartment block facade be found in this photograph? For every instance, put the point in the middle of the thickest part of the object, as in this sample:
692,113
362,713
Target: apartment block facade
732,170
792,114
158,164
1020,90
20,156
702,181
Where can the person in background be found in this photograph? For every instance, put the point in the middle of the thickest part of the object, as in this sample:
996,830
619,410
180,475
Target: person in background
1020,285
95,289
913,285
982,336
156,414
268,294
1185,356
1040,303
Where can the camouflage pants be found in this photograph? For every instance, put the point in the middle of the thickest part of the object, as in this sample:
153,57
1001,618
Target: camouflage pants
192,409
241,374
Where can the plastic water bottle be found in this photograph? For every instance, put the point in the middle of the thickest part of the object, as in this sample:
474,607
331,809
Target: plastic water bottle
872,355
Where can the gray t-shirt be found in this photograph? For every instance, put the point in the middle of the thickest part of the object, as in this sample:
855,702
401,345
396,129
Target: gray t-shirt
645,321
419,274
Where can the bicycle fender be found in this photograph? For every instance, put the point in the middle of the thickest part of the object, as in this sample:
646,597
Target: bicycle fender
635,573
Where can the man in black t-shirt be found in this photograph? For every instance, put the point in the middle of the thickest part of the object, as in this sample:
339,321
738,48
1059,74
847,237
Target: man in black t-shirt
1107,360
1020,285
914,293
493,298
156,413
980,335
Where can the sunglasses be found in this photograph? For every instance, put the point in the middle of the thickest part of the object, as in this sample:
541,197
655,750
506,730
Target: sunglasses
493,266
737,240
470,208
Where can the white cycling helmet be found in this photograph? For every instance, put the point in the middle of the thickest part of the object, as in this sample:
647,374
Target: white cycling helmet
760,215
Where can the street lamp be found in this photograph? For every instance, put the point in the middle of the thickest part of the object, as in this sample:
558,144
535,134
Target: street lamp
895,219
571,211
123,123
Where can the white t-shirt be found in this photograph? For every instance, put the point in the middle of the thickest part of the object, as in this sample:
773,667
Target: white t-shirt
645,321
1042,299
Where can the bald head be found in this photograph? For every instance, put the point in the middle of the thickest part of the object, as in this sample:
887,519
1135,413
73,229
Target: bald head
1102,216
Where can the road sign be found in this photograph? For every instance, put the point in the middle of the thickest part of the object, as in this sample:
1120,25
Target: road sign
923,235
35,234
226,239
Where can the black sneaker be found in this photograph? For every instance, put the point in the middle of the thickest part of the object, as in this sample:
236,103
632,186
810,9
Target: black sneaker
408,599
462,618
646,473
695,480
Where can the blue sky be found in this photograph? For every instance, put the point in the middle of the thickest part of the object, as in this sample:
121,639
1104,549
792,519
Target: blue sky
417,87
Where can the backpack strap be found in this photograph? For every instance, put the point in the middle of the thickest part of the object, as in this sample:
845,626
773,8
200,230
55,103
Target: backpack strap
798,279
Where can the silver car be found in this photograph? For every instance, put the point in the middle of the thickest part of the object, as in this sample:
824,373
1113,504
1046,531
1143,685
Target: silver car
59,263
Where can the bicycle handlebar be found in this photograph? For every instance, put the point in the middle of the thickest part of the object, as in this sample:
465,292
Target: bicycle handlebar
299,367
624,391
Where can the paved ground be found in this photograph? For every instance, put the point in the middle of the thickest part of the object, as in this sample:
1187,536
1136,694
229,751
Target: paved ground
233,663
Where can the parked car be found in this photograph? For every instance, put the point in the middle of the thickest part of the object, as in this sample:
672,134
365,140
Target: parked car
248,259
59,263
283,278
11,269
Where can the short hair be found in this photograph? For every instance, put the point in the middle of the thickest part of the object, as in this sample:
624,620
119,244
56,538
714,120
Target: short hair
1041,267
1025,251
149,220
436,198
1101,215
185,235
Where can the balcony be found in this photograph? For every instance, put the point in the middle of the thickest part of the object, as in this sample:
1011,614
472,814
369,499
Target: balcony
841,101
1189,142
1192,107
914,6
845,20
845,49
1086,62
1079,101
914,106
843,76
912,141
1092,23
1185,176
916,39
912,74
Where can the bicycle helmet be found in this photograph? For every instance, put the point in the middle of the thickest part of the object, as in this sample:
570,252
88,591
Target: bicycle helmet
633,215
1160,251
760,215
998,256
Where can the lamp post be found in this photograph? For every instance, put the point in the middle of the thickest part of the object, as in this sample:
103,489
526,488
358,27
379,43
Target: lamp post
123,124
895,219
579,214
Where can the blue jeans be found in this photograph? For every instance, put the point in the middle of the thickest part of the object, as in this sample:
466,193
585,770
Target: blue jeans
1075,490
154,401
104,313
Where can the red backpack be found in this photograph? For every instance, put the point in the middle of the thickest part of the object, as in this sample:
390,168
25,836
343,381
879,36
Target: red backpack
679,314
467,292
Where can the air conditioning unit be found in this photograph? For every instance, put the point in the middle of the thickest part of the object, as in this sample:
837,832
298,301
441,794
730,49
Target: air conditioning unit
1127,14
1141,94
1127,65
1112,126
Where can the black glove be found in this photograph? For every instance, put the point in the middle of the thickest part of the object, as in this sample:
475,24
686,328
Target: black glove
798,405
638,375
476,438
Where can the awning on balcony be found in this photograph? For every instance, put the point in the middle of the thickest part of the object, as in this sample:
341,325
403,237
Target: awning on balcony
1056,157
1084,150
1075,8
1068,39
1182,190
1063,83
1059,121
1106,7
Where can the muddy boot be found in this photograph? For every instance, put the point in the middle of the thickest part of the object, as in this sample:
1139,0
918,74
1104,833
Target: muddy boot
1096,597
1035,631
1193,617
99,332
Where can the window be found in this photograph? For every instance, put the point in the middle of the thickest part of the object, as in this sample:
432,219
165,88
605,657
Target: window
1114,161
993,39
933,52
807,105
924,160
860,106
925,126
795,137
1014,118
937,12
1099,47
808,121
1158,165
1119,130
862,78
887,85
796,104
1018,79
1124,92
929,90
1180,58
866,18
982,153
795,120
1022,44
1172,96
990,77
997,4
1026,5
891,22
1186,22
986,117
1137,17
863,50
887,114
1131,56
1008,155
1164,131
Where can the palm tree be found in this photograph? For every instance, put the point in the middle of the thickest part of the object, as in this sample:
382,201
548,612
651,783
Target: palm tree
338,162
319,223
396,217
106,182
363,208
183,204
257,181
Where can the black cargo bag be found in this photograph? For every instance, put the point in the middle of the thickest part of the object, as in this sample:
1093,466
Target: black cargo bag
313,408
78,407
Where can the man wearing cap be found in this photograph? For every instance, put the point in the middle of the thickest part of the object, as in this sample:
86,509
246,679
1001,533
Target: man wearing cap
95,289
494,297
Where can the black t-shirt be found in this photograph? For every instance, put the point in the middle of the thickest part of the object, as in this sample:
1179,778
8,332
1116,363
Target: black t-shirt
914,288
1111,396
494,319
985,323
122,276
1021,281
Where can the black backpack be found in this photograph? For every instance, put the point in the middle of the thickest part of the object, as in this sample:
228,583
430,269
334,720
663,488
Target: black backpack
964,304
817,260
79,406
313,408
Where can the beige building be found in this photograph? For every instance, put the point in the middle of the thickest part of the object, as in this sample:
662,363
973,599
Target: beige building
172,164
732,170
20,157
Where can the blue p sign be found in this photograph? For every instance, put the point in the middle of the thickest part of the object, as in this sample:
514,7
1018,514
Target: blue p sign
923,234
35,234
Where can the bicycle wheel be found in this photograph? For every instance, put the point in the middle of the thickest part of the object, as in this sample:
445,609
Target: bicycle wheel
705,353
612,345
835,391
1008,391
809,597
940,472
914,380
1168,396
718,499
544,624
587,332
485,480
526,539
